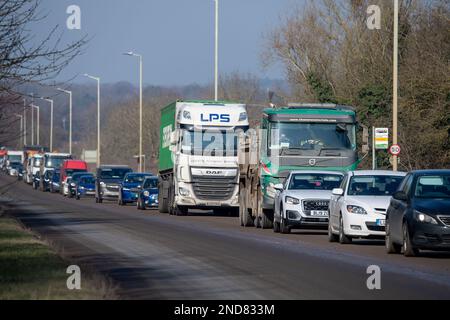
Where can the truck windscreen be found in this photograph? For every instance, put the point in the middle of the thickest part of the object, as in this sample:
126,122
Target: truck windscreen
209,143
312,137
54,162
14,158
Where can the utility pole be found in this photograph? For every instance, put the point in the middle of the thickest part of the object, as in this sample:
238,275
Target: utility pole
24,122
395,85
98,115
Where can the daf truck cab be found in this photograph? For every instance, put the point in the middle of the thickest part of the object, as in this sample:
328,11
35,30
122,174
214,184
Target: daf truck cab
33,166
198,166
52,161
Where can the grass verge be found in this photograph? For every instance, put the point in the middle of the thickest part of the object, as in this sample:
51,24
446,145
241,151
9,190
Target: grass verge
31,270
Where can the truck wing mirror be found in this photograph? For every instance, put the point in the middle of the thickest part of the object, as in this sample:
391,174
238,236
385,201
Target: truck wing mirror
174,137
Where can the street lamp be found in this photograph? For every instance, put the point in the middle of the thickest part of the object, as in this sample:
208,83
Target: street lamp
98,115
21,123
131,53
395,85
37,133
51,121
216,64
70,117
24,122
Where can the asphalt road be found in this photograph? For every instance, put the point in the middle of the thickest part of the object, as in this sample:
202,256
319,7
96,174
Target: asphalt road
156,256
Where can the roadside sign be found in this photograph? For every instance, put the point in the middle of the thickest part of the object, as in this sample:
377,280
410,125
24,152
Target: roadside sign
395,150
90,156
381,138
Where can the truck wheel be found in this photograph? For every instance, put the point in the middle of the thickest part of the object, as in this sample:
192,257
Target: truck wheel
244,216
163,205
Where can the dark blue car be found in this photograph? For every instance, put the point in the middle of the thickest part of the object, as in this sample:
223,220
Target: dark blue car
148,195
85,187
130,187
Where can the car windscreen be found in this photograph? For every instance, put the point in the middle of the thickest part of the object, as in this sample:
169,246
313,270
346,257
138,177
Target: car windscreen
314,181
87,180
77,177
54,162
151,183
14,158
374,185
71,172
114,173
432,187
135,178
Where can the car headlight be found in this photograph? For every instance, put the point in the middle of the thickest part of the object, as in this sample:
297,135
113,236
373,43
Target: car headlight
422,217
81,188
146,193
102,184
125,189
356,210
291,200
72,184
184,192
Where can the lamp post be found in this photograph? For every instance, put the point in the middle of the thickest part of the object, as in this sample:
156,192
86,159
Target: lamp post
395,85
140,105
21,124
70,117
98,115
24,122
51,121
37,121
216,54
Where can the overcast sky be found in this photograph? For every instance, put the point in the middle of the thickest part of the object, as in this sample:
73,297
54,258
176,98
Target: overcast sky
176,37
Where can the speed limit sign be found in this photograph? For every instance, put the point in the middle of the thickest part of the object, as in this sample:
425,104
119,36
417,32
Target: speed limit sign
395,150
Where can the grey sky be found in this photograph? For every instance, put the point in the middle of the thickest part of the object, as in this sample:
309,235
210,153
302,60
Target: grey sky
176,37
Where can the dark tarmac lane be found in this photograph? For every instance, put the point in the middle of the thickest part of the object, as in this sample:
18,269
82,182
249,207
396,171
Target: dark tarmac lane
156,256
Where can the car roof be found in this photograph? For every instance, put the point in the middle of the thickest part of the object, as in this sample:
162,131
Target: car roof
316,171
378,173
82,174
430,171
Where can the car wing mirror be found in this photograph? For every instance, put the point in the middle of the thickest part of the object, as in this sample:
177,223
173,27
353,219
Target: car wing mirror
278,187
400,195
338,192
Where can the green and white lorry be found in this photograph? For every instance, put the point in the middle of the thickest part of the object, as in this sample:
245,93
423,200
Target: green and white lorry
296,137
198,166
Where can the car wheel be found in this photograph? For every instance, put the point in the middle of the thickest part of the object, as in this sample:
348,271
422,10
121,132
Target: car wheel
391,247
408,249
276,226
120,202
343,238
331,236
284,229
78,197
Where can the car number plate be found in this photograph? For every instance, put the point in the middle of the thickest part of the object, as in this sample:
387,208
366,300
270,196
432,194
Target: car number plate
381,222
319,213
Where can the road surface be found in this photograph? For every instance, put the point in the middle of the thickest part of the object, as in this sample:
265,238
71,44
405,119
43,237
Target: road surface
156,256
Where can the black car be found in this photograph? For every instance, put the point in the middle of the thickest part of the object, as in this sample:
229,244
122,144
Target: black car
54,183
108,180
74,179
418,216
45,186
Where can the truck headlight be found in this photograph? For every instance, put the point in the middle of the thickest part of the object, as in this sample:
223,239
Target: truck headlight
422,217
356,210
146,193
184,192
291,200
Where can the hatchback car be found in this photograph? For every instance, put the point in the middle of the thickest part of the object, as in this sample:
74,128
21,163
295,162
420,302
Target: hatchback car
130,187
85,187
418,216
148,195
74,179
302,202
358,208
54,184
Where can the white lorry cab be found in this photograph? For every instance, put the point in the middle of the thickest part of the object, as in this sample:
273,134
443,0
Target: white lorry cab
198,164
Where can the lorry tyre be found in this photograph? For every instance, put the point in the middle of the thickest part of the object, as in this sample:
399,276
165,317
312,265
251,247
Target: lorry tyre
163,205
266,222
244,216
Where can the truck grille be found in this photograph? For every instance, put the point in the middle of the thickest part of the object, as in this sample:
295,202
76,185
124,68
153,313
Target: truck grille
213,188
315,205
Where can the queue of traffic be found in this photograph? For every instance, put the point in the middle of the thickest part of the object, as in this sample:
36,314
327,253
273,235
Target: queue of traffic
298,171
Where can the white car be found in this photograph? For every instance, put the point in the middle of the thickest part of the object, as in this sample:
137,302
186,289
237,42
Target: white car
302,202
358,208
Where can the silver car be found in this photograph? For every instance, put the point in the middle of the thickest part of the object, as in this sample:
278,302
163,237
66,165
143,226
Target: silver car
303,200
